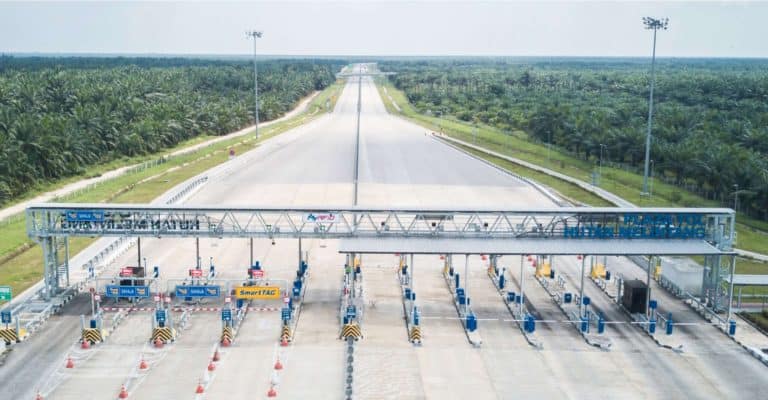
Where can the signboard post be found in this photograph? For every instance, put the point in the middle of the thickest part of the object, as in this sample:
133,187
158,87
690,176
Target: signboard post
5,293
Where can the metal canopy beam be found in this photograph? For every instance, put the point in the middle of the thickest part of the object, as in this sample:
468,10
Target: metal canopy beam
553,246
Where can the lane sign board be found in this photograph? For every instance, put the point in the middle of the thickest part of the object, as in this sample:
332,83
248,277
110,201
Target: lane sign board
257,273
196,273
160,316
226,315
257,292
5,316
198,291
85,216
5,293
117,291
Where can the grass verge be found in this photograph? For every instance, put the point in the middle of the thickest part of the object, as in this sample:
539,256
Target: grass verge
21,265
752,234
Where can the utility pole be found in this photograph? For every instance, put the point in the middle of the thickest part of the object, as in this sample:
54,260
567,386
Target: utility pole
255,35
655,25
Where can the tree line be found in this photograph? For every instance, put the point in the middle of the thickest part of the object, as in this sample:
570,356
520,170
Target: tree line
61,115
710,127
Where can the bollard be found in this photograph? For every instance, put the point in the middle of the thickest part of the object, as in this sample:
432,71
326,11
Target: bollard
510,297
670,325
471,322
407,293
584,325
732,327
652,326
501,281
450,271
456,275
552,274
607,275
600,325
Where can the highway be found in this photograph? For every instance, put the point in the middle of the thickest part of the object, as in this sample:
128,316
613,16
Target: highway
400,164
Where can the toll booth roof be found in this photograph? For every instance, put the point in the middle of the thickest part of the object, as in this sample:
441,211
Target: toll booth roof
748,280
509,246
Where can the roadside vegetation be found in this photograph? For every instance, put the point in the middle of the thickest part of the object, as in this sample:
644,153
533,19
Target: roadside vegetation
428,81
66,117
20,258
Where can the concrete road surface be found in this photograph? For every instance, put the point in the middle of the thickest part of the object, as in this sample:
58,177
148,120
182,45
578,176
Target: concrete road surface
399,165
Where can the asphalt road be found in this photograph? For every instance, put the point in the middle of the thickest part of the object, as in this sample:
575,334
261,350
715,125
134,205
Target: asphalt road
400,164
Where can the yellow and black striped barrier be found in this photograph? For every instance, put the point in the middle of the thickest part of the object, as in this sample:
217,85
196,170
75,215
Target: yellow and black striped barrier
415,335
286,334
351,330
92,335
227,334
9,335
165,334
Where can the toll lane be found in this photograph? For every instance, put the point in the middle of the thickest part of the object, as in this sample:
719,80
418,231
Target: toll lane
385,361
450,367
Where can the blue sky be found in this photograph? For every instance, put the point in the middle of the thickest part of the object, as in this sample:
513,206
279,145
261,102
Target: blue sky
572,28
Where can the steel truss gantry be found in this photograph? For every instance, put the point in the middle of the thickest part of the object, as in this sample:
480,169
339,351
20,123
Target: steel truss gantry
50,223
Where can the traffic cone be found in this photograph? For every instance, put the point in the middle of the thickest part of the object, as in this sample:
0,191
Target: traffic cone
85,345
284,341
143,364
199,388
216,356
70,363
278,365
123,392
271,392
211,366
39,396
159,343
225,342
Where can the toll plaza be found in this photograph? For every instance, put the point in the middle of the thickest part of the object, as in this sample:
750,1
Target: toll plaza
542,234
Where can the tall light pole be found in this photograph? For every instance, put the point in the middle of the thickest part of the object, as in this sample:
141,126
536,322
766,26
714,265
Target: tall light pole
601,159
357,133
255,35
655,25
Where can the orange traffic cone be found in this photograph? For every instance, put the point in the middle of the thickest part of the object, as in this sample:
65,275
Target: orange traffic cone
271,392
216,356
123,392
143,364
70,363
211,366
284,341
159,343
85,344
225,342
199,388
278,365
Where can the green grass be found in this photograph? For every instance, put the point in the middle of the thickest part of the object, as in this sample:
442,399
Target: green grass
25,268
623,183
758,318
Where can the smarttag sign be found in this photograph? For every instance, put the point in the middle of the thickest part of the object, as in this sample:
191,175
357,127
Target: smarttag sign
198,291
257,292
116,291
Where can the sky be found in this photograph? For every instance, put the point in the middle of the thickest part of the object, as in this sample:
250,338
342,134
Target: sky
414,28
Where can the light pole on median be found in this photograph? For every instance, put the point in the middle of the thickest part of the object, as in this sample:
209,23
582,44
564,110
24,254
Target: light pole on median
255,35
652,24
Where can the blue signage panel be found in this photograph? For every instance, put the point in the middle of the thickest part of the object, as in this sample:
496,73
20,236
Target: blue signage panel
198,291
226,314
116,291
6,316
85,216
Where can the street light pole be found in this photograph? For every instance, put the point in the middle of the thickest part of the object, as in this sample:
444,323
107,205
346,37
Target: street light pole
601,160
655,25
357,135
255,35
736,197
